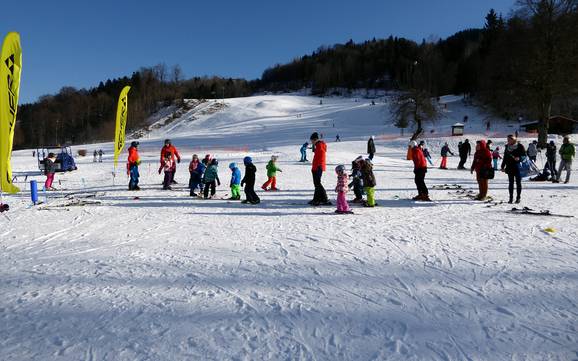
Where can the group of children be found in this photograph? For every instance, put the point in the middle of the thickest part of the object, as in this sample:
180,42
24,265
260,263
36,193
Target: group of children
362,182
204,176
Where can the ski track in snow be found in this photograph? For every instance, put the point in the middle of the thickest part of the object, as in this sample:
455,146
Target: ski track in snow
167,277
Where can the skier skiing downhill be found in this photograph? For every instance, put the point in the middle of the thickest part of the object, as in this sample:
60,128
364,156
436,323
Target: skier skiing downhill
317,169
132,164
170,148
420,170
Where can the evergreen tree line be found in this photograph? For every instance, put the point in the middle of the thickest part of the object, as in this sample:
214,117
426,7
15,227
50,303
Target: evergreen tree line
524,65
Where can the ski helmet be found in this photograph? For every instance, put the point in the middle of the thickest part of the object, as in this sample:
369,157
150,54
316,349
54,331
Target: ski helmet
214,161
132,144
274,157
413,144
167,141
247,160
340,169
232,166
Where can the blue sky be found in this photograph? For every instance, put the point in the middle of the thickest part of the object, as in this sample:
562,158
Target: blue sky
79,43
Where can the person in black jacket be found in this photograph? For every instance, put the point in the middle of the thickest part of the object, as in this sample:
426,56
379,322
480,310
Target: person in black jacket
465,151
510,164
371,147
248,182
551,159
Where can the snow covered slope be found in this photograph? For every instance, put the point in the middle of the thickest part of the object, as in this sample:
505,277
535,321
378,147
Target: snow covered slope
168,277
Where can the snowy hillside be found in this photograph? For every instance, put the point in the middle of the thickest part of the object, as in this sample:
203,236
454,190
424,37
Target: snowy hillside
95,274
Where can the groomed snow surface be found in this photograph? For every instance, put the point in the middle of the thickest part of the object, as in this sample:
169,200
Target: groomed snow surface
168,277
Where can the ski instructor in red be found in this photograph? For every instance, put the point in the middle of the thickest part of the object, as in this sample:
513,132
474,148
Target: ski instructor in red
169,148
317,169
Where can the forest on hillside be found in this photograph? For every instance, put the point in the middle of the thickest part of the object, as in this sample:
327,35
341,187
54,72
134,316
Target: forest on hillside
525,64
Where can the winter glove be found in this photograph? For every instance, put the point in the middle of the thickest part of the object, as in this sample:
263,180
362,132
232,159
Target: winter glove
279,170
178,160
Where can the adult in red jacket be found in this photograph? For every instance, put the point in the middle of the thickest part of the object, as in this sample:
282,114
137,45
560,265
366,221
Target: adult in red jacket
481,165
419,169
317,169
171,149
132,164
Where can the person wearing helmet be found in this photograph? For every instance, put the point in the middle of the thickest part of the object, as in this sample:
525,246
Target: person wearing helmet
371,147
357,182
304,152
170,148
567,152
317,169
341,189
167,167
420,170
249,182
272,170
196,170
368,182
132,164
235,184
211,179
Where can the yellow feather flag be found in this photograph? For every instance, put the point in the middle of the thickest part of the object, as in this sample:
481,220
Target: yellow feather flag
10,68
121,116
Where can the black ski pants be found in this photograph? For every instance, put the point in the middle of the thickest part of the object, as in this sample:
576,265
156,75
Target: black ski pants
420,181
320,195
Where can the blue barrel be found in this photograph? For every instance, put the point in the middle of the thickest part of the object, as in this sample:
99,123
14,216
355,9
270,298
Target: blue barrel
34,191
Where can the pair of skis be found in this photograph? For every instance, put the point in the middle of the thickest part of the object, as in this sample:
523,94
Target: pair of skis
530,211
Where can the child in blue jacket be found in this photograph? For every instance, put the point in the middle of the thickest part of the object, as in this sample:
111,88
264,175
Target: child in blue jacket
235,182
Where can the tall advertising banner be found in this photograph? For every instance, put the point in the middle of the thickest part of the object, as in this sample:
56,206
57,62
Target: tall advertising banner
121,115
10,69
